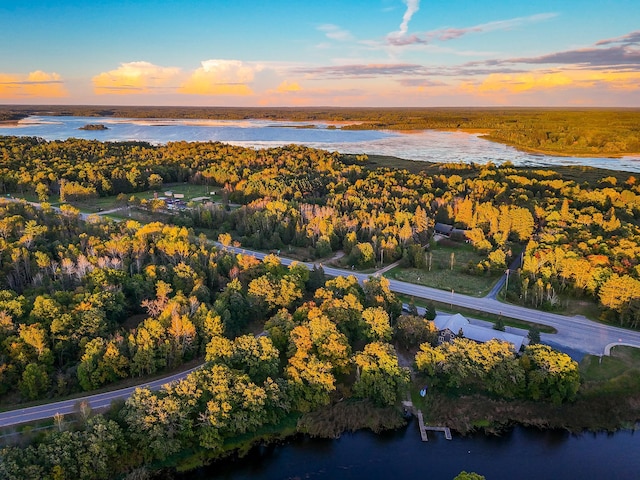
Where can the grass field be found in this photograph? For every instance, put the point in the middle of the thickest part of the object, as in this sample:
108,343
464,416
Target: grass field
443,277
101,204
189,191
624,361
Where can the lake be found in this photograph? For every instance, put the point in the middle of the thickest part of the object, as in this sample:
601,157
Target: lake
428,145
519,454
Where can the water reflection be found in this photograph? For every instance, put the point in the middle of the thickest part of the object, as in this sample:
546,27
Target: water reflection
520,453
430,145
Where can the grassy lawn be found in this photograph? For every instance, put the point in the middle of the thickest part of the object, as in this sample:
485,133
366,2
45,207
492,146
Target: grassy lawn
615,377
99,204
586,308
568,306
443,277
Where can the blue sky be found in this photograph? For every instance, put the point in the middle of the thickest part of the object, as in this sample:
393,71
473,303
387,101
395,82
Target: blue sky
350,53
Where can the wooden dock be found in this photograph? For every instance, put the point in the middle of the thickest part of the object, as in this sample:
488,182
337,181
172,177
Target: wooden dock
424,429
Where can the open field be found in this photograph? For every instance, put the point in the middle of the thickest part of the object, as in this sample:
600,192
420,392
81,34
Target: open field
624,363
442,276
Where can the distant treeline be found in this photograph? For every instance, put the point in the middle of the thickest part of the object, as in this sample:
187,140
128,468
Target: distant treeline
561,131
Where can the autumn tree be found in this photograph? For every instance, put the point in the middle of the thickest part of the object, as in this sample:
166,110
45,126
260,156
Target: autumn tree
379,376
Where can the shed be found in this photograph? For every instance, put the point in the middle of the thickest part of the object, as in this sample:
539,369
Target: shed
443,229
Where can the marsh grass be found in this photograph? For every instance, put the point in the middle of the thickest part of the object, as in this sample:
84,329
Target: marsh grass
349,416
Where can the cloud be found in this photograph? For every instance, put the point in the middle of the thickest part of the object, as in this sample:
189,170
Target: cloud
221,77
359,71
420,83
135,78
521,82
335,33
551,80
412,7
286,87
632,38
35,84
616,56
446,34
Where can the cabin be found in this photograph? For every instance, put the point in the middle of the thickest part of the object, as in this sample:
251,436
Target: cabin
450,231
450,326
443,229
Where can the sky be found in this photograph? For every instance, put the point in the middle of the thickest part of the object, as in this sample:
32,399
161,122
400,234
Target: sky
373,53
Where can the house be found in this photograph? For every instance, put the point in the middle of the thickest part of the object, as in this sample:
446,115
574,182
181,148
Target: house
449,327
443,229
459,234
450,231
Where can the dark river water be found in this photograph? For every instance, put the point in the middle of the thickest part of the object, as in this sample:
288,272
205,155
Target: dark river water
428,145
519,454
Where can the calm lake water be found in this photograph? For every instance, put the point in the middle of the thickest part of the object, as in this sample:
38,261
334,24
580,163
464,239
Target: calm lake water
429,145
520,454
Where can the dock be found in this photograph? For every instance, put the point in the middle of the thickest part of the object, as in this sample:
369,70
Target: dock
424,429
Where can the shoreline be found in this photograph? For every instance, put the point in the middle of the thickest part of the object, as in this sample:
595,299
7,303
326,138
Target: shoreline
548,153
237,451
358,124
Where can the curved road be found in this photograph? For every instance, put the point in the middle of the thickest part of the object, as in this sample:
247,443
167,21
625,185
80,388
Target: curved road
66,407
576,333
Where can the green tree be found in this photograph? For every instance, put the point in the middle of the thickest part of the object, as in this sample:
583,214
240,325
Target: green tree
411,331
376,324
533,335
379,376
157,422
550,374
257,357
430,311
469,476
35,381
362,255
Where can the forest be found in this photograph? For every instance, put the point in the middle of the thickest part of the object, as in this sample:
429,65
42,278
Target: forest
578,229
84,304
576,131
72,327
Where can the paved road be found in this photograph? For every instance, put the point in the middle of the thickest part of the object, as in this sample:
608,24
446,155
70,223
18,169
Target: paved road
515,264
66,407
577,333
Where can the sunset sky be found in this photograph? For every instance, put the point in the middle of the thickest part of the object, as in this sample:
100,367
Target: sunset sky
347,53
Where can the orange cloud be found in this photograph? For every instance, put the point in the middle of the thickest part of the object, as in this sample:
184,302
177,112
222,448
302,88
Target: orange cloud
134,78
36,84
286,87
615,80
522,82
221,77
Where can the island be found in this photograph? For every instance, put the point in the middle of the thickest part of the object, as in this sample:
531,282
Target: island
94,126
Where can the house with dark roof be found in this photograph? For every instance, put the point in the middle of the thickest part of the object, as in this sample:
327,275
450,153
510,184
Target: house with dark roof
450,326
443,229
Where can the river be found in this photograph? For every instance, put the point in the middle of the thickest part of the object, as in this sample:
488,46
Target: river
428,145
519,454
